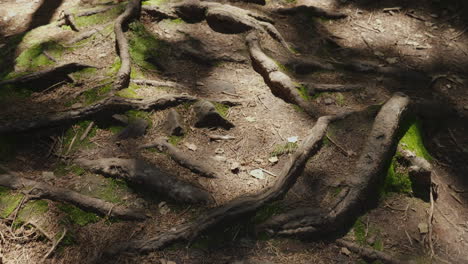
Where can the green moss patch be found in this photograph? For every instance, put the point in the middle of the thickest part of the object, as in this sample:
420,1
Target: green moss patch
76,132
129,92
96,94
63,169
145,49
412,140
77,216
397,179
100,18
33,209
222,109
284,149
8,201
155,2
174,140
303,91
113,190
362,233
33,57
132,114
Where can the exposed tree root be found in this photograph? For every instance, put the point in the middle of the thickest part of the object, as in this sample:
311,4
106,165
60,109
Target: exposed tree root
95,11
227,19
67,19
123,75
158,13
368,174
149,177
104,108
158,83
281,85
53,74
183,159
42,190
241,206
310,10
369,253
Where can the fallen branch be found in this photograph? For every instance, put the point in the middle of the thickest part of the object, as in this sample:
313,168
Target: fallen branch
369,253
123,75
149,177
183,159
103,108
368,174
59,72
241,206
43,190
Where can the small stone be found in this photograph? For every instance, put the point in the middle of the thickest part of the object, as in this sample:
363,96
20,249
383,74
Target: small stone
293,139
273,159
259,161
191,146
345,251
257,173
200,84
423,228
328,101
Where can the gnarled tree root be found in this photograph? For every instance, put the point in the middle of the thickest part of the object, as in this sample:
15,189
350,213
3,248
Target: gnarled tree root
123,75
42,190
368,174
281,85
55,73
103,108
149,177
369,253
183,159
241,206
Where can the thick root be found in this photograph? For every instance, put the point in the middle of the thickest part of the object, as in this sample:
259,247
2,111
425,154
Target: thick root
241,206
368,174
183,159
123,75
149,177
42,190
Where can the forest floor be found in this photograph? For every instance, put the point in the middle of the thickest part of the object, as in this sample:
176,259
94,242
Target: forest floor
428,36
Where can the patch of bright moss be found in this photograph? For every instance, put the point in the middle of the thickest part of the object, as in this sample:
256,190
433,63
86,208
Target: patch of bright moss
113,190
33,209
412,140
174,140
100,18
77,216
115,129
33,57
359,230
282,67
397,180
155,2
129,92
8,201
84,74
144,48
177,21
340,99
222,109
284,149
303,91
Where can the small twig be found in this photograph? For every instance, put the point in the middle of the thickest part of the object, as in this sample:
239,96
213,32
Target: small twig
221,137
231,94
409,238
49,56
269,172
396,8
266,107
71,143
54,245
429,222
52,86
86,132
338,146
